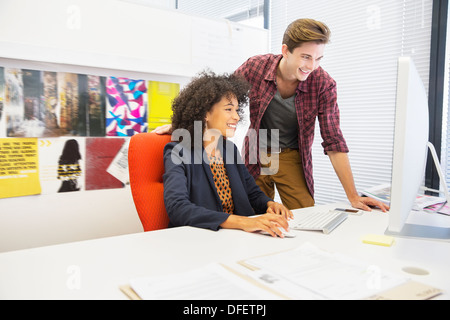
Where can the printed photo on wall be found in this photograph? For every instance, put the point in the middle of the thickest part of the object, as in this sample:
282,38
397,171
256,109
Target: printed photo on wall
69,169
34,113
14,104
31,103
62,164
93,105
81,105
2,103
51,104
100,153
126,107
68,103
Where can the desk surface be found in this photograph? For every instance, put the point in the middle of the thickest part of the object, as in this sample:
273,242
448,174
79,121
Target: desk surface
95,269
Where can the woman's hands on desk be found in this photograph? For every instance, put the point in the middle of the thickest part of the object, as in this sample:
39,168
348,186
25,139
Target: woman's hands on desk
278,208
269,222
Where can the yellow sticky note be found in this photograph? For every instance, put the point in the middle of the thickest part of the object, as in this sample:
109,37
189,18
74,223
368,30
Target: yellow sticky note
378,239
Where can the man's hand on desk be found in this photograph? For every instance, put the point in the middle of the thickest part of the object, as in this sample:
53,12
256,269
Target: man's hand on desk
365,203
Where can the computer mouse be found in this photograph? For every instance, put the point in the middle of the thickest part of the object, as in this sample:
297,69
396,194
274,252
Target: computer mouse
286,234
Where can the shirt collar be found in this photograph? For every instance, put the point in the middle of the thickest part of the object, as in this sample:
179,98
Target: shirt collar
271,75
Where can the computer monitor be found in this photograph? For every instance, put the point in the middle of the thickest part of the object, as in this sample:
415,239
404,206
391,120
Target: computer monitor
410,154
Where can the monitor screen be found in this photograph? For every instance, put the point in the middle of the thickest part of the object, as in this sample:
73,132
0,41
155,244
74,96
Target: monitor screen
410,153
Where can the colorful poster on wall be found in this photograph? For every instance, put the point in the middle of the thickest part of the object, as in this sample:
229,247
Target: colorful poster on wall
2,103
25,102
160,97
57,108
14,105
68,103
51,104
19,167
100,152
34,110
126,107
61,164
92,105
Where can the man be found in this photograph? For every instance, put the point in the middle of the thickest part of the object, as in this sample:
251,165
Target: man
289,91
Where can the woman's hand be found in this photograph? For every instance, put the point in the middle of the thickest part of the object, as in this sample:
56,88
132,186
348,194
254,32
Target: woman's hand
278,208
269,222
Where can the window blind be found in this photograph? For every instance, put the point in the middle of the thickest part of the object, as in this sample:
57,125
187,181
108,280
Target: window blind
445,151
367,37
234,10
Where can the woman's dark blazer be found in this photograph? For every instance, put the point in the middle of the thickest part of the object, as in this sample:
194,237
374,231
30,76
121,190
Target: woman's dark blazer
190,194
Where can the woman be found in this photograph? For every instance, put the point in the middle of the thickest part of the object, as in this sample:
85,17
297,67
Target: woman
206,183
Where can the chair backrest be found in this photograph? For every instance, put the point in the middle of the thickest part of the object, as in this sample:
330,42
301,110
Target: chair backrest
146,167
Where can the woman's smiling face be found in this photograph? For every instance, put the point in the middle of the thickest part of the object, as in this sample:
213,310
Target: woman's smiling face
224,116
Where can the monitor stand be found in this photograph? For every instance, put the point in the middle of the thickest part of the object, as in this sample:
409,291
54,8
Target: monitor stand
437,165
419,231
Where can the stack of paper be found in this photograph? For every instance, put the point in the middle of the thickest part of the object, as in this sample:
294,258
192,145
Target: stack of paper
303,273
318,274
212,282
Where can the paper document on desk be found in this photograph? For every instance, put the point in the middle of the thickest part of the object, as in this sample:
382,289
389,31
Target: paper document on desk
212,282
383,193
441,208
321,274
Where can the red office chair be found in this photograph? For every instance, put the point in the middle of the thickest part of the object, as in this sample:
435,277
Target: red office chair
146,167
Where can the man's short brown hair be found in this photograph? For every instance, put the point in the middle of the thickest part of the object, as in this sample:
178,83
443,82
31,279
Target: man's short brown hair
305,30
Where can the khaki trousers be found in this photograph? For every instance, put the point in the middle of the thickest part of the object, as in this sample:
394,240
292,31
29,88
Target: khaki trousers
285,170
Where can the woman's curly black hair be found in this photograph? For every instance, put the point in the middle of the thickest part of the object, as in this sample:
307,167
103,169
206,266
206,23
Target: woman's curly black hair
205,90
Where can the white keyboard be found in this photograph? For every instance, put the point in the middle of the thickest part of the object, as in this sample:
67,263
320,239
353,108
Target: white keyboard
324,221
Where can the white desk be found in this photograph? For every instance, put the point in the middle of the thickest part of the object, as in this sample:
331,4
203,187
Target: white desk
95,269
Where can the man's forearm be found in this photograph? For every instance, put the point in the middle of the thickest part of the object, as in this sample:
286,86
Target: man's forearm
341,165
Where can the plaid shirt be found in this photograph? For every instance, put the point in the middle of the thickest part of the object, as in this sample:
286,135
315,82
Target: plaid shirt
316,97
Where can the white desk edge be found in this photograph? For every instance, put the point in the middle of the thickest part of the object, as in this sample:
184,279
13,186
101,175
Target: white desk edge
94,269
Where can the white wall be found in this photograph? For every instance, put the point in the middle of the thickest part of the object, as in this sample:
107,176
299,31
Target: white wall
105,37
120,35
33,221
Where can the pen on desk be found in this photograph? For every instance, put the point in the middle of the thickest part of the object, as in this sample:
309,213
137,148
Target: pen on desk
344,209
351,211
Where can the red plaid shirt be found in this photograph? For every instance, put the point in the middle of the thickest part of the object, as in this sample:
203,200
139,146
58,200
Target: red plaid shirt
316,97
